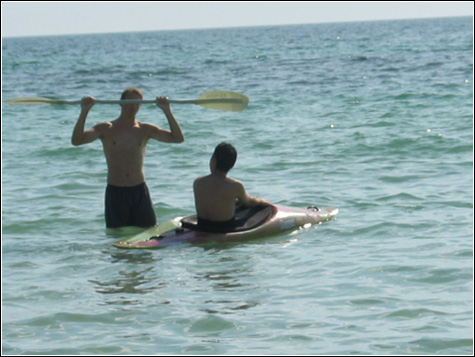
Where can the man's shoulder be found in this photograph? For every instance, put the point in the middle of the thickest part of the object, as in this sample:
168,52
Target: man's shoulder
147,126
103,126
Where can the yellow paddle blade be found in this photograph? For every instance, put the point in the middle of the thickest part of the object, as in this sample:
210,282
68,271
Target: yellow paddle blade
223,100
37,100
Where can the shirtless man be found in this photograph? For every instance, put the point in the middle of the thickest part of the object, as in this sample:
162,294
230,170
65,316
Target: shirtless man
124,140
216,194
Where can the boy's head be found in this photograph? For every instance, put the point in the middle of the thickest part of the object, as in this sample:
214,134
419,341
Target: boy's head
225,155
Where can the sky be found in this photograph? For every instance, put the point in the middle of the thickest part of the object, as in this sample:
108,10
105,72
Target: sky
63,18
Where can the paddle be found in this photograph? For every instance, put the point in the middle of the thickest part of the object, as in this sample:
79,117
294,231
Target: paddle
218,100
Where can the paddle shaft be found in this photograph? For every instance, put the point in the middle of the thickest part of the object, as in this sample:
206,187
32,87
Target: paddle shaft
140,101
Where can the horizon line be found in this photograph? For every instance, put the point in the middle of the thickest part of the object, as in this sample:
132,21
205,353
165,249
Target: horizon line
234,27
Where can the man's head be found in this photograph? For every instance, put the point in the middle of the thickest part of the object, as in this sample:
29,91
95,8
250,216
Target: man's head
225,156
131,93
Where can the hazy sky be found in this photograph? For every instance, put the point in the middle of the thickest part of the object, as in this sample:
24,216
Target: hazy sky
57,18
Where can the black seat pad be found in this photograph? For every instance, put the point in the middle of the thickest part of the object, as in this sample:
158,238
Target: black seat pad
247,218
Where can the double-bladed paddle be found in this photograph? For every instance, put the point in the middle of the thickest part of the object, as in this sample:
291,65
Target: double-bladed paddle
218,100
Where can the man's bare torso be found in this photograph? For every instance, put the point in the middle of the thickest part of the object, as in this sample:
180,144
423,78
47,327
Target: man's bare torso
124,148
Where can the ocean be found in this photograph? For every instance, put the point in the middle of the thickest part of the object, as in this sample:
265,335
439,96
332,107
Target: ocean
375,118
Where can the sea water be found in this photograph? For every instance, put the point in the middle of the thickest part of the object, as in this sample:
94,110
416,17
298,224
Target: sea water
375,118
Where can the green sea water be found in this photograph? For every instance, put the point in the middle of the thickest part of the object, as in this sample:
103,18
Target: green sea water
374,118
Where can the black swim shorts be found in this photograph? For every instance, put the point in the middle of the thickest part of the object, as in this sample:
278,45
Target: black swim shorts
216,227
129,206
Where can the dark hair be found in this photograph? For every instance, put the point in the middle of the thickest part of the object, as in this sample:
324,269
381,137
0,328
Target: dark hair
131,90
226,156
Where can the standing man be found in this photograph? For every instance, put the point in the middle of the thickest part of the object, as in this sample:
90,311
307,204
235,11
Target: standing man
127,201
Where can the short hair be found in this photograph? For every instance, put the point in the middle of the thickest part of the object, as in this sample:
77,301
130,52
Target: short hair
131,90
226,156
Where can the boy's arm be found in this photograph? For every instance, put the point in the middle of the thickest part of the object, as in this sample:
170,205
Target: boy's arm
248,200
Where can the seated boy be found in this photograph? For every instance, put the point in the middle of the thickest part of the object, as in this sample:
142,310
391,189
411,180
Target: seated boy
216,194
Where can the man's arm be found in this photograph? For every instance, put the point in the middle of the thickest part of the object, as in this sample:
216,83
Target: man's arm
80,136
175,135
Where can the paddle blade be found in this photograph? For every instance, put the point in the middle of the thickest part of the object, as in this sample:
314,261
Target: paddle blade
36,100
223,100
